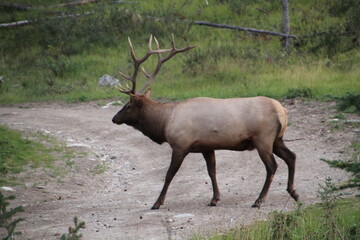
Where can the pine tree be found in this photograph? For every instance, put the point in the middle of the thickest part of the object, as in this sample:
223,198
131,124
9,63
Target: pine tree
7,215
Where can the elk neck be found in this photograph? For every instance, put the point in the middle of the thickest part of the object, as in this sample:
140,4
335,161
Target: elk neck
153,119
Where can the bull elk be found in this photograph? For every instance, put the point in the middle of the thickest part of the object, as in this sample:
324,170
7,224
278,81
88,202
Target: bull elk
203,125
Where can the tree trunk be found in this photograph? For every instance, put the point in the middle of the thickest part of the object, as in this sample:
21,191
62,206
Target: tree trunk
285,28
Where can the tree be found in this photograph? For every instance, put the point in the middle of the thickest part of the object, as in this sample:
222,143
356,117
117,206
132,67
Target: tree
285,27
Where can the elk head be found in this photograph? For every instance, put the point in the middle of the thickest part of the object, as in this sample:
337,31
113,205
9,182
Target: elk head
130,113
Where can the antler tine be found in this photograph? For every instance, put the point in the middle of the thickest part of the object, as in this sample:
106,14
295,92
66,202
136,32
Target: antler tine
157,44
122,89
145,73
175,51
132,52
150,42
138,61
125,76
158,51
161,60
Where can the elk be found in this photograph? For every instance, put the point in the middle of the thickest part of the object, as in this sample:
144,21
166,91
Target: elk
203,125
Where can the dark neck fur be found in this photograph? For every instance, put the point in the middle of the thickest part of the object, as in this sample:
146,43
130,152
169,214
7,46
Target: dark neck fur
153,119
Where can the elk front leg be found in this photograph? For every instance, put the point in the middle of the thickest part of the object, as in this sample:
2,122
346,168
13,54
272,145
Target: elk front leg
176,161
211,167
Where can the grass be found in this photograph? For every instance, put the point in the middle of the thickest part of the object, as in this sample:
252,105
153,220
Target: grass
62,60
34,150
308,223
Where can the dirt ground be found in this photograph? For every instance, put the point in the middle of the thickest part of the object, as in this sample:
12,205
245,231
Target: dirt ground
116,204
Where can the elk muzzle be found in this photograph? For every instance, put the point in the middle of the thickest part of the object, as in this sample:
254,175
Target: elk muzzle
116,120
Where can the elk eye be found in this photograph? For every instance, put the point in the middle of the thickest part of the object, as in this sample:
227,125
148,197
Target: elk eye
128,107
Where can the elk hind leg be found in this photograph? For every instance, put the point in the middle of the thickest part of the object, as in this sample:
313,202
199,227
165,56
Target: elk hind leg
268,159
176,161
211,167
289,157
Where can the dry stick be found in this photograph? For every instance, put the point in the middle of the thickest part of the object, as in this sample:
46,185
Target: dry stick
246,29
73,3
27,22
16,6
29,7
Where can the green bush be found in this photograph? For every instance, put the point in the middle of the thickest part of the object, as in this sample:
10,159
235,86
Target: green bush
6,217
349,103
299,93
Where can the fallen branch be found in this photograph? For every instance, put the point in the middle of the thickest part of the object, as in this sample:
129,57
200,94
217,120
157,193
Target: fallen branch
246,29
24,7
16,24
82,2
262,11
27,22
15,6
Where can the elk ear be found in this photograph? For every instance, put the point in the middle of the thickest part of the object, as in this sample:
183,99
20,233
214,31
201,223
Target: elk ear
136,99
148,93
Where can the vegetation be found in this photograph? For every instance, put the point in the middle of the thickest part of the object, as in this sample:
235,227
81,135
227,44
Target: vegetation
74,232
352,166
349,103
6,217
333,218
18,152
62,58
9,224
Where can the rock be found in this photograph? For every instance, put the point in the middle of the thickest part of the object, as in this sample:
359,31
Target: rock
7,189
112,103
107,80
78,145
184,215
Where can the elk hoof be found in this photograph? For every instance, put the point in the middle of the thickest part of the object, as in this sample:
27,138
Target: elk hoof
293,194
155,207
257,203
213,202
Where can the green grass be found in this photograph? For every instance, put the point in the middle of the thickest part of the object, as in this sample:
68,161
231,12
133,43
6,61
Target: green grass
309,223
62,60
19,151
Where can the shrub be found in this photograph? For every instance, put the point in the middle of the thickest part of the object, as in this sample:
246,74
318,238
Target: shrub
349,103
299,93
6,217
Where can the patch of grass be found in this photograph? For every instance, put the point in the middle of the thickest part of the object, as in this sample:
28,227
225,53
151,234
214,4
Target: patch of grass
19,151
299,93
99,169
349,103
308,223
62,59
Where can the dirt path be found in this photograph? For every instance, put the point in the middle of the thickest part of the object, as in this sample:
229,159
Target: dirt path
116,204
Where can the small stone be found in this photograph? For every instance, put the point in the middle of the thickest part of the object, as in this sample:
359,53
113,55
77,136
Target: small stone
8,189
107,80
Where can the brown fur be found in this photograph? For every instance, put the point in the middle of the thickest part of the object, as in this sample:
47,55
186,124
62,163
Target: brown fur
204,125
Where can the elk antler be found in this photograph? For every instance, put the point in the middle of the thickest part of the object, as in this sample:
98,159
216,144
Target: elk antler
137,62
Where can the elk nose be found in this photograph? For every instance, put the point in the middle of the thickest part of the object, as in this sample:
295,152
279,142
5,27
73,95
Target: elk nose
113,120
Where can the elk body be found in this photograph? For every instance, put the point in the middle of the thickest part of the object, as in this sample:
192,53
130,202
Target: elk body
203,125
